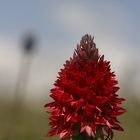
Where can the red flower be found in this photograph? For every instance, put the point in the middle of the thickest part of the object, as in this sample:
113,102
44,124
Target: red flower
85,99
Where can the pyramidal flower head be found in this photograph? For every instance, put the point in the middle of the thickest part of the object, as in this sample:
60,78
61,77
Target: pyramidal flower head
85,104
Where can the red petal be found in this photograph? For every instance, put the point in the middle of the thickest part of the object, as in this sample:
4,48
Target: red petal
83,126
89,130
63,134
118,100
52,132
49,104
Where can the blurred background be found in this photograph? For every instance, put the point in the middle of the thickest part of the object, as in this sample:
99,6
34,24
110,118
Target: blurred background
37,36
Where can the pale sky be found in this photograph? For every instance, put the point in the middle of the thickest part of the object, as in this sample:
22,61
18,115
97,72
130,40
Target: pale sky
59,26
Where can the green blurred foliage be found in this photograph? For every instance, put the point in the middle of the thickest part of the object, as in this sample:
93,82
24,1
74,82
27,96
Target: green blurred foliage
33,122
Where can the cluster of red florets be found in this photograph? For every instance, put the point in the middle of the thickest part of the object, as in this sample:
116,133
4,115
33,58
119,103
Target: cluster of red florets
85,99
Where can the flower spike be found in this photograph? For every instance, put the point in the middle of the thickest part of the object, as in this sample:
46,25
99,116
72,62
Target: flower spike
85,104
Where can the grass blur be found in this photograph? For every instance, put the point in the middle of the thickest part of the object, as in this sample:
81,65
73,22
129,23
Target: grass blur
33,123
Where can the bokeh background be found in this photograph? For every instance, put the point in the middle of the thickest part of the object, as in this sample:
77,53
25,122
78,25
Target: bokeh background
54,28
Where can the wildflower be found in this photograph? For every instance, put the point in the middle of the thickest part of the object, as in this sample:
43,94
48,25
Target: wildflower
85,104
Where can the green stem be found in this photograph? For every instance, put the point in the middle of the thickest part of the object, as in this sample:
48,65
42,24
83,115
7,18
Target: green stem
84,136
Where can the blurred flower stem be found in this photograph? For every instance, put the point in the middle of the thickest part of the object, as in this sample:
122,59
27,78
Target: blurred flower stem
21,86
24,70
84,136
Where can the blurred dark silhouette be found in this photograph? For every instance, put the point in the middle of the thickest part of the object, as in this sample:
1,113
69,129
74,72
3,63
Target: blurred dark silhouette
17,109
29,43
